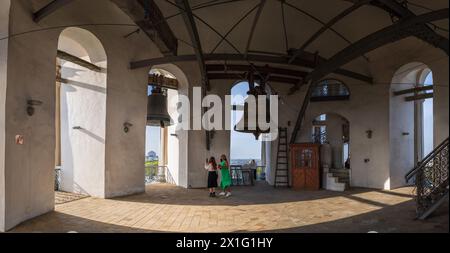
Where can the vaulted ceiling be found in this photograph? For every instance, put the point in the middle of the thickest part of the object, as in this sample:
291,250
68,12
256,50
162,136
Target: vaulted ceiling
284,25
288,29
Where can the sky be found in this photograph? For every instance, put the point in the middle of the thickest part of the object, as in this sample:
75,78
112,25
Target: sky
428,120
243,146
152,142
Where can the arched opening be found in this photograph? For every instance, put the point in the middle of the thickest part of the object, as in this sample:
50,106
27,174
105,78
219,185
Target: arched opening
330,90
427,114
245,150
80,113
332,132
166,151
411,120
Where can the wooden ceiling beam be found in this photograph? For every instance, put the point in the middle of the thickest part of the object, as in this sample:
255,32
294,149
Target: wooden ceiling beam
149,18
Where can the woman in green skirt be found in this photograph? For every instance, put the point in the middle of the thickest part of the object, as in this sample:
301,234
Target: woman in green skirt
225,180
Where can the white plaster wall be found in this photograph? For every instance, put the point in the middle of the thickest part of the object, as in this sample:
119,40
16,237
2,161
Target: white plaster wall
401,121
173,159
367,102
4,32
220,143
29,168
83,104
386,62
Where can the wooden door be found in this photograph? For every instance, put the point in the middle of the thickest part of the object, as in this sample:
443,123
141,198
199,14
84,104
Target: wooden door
305,167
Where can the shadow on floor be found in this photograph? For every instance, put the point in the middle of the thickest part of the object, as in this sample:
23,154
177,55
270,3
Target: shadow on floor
56,222
260,194
392,219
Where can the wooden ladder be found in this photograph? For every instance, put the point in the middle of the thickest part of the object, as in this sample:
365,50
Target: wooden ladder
282,166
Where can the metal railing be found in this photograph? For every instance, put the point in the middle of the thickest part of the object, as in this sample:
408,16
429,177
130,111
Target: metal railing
320,138
431,179
155,173
241,176
57,179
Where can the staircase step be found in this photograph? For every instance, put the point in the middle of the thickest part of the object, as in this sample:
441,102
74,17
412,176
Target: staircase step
433,208
339,171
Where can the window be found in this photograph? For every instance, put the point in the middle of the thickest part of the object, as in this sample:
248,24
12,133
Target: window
330,90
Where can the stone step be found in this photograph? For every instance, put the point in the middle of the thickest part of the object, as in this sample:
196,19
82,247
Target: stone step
334,185
343,172
341,175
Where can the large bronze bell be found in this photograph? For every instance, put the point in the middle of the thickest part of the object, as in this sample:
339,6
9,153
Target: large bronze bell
244,125
157,114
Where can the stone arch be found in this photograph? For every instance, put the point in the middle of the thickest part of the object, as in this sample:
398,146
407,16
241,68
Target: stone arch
337,134
81,113
405,127
177,140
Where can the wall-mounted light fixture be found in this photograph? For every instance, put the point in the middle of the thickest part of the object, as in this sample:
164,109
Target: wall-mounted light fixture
369,134
127,126
30,106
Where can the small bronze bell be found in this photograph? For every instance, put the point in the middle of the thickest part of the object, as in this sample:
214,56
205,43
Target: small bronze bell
157,114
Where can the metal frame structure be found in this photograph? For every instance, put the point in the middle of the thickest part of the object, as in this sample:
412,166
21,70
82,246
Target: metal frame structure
406,24
49,9
411,26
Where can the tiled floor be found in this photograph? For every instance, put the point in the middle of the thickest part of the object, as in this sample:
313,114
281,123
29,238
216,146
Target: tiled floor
65,197
165,208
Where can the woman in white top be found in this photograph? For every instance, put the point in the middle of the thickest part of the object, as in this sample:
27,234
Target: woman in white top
211,167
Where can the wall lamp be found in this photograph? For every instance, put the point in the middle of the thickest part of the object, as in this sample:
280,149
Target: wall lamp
30,106
127,126
369,134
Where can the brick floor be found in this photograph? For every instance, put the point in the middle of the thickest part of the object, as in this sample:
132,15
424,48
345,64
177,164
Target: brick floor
165,208
66,197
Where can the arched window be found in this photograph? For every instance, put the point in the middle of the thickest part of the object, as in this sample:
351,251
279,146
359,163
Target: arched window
330,90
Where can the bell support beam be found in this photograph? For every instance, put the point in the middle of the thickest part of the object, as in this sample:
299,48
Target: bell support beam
149,18
411,26
306,60
327,26
240,76
191,26
263,69
413,90
254,24
78,61
398,10
49,9
426,34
